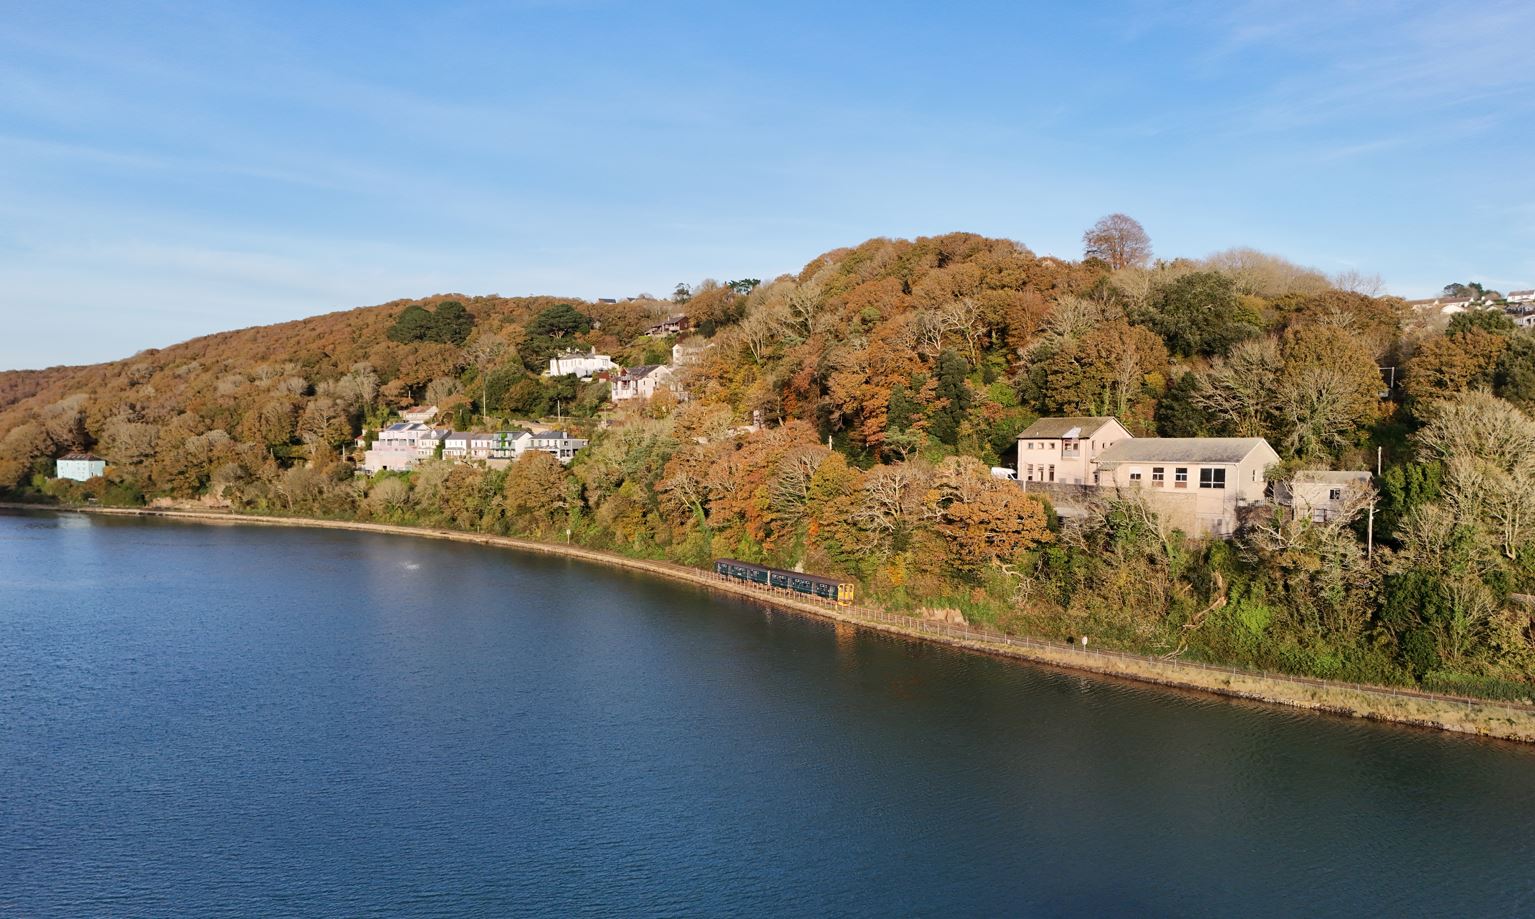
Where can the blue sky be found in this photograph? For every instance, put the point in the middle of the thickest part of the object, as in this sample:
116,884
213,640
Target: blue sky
168,170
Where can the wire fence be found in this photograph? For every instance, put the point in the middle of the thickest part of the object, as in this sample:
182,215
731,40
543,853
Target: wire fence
988,635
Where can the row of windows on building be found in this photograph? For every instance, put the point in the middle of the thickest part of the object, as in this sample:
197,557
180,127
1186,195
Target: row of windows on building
1208,478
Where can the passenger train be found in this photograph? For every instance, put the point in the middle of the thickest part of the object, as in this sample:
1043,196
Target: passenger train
839,592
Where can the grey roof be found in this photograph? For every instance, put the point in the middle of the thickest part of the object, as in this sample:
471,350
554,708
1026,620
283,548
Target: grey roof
1182,450
459,435
642,371
1062,427
1332,476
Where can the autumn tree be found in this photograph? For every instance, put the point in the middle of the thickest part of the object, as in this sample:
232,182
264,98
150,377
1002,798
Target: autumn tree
983,520
1448,364
1328,389
536,494
1118,240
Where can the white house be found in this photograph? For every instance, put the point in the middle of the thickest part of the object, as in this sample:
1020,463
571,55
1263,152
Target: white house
508,445
1321,494
1447,306
1521,296
580,364
689,351
1064,450
420,414
557,443
641,382
456,445
82,467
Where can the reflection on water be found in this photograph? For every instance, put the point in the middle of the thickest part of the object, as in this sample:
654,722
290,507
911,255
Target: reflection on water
226,720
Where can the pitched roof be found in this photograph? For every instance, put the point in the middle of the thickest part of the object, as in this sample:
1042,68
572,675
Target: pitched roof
1332,476
1064,427
640,372
82,456
1182,450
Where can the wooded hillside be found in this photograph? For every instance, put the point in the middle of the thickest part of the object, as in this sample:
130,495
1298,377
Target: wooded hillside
842,419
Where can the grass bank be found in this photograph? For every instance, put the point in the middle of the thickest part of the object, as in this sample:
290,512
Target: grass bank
1468,716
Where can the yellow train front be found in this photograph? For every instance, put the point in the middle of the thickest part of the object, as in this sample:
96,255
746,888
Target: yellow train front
839,592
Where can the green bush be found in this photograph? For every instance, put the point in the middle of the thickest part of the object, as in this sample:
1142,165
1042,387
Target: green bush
1482,687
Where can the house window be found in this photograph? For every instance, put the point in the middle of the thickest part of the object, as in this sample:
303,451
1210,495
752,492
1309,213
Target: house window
1052,473
1135,475
1158,475
1212,478
1181,477
1335,494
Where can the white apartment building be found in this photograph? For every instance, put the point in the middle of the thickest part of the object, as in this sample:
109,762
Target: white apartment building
580,364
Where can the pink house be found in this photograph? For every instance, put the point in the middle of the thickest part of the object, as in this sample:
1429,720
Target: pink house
1066,450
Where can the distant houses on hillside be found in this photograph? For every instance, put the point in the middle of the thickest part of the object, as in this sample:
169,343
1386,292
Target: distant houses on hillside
404,445
672,325
1516,303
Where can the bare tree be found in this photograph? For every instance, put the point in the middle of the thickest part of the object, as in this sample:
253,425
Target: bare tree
441,390
1119,240
790,488
1478,424
1073,317
1265,275
933,326
892,502
1239,389
1317,408
1354,282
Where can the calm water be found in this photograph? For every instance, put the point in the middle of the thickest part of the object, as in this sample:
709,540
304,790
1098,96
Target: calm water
237,720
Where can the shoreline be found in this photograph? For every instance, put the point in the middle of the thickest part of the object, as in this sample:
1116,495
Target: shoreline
1504,721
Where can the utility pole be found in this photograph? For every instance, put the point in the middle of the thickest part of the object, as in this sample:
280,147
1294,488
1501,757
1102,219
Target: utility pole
1377,461
1369,534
